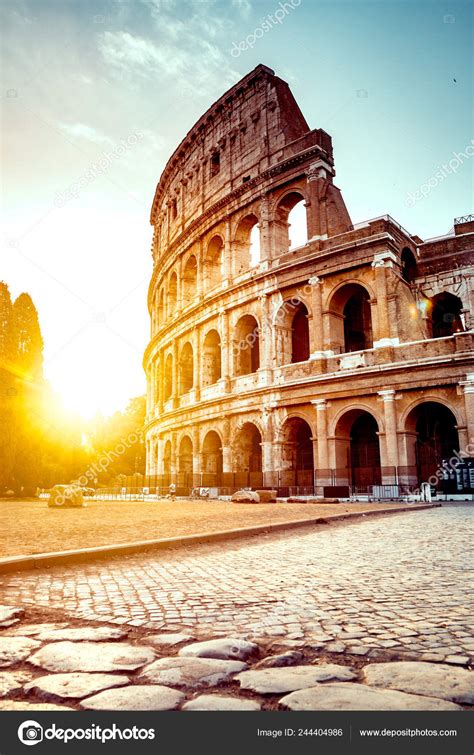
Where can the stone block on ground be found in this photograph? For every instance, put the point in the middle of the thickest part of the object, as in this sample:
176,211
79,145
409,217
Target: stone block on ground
168,640
245,496
190,672
136,697
226,648
273,681
419,678
12,681
66,657
221,702
348,696
10,613
290,658
66,496
267,496
16,649
81,634
74,685
30,707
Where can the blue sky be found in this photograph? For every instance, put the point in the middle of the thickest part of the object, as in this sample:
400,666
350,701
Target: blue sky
390,81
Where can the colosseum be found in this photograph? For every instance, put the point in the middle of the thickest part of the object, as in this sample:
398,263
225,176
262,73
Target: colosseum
290,347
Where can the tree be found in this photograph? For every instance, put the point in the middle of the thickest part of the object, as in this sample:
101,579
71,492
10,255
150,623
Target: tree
7,386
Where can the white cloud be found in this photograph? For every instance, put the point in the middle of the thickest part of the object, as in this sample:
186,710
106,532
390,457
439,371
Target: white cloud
81,131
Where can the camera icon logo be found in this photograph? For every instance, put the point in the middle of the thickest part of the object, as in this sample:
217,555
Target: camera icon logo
30,733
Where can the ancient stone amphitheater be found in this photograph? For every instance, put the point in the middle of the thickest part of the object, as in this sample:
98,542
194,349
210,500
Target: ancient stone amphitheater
289,346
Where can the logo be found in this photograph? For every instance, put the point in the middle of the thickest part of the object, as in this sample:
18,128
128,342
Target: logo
30,733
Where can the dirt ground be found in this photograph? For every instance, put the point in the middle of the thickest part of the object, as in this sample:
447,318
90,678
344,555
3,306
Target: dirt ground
29,527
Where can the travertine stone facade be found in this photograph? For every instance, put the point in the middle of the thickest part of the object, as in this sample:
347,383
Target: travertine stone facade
348,357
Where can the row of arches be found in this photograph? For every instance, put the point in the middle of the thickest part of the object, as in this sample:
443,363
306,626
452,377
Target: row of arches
351,330
430,426
201,272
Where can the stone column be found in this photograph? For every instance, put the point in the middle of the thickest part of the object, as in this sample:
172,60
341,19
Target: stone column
265,232
160,454
468,390
268,448
227,252
266,350
225,349
316,330
174,455
381,263
391,439
197,366
323,475
174,391
179,285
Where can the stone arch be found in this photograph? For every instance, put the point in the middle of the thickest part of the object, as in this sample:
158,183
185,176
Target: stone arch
168,377
246,448
189,279
213,262
172,299
167,453
445,315
357,448
212,458
350,318
296,452
409,265
186,368
431,430
246,345
292,332
185,455
211,358
291,210
246,244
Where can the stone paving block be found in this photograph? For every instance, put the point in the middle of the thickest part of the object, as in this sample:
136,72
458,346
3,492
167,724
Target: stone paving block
290,658
433,680
350,696
136,697
277,680
30,707
74,685
9,613
221,702
66,657
168,639
12,681
78,634
225,649
15,649
190,672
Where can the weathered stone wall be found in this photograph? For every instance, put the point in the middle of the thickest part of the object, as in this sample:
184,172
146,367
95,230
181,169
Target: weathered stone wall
222,378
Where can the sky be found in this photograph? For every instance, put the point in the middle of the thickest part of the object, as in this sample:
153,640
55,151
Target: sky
96,95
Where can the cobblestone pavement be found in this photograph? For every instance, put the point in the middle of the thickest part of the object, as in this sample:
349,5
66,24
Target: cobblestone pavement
398,583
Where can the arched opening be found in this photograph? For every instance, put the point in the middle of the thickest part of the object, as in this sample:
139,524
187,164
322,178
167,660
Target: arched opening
432,436
186,368
358,450
292,332
211,459
172,294
185,456
168,388
350,319
291,225
247,452
167,458
446,315
409,265
297,454
246,245
189,280
161,307
211,358
213,263
246,346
